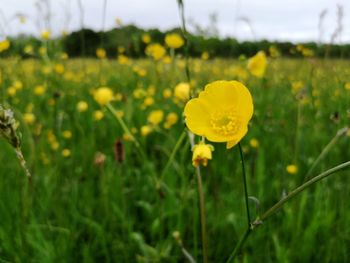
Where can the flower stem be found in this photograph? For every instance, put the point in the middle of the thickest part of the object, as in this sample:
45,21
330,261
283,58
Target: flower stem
244,185
202,215
282,202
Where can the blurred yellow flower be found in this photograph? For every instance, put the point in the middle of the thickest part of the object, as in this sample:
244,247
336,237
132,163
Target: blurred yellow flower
4,45
29,118
167,93
221,112
257,64
201,154
347,86
146,38
103,95
67,134
123,60
156,51
254,143
66,153
46,34
292,169
170,120
100,53
182,91
145,130
98,115
59,69
174,40
82,106
155,117
205,55
39,90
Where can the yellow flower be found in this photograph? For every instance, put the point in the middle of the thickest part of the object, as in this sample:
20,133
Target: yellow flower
59,69
145,130
201,154
100,53
123,60
29,118
292,169
347,86
103,95
221,112
155,117
254,143
205,55
46,34
257,64
4,45
156,51
182,91
66,153
167,93
67,134
11,91
171,119
274,52
39,90
98,115
146,38
82,106
174,40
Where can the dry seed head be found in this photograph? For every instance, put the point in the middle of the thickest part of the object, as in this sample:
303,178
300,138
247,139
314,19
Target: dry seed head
8,127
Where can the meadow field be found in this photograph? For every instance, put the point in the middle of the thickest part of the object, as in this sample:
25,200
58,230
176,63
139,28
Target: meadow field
112,180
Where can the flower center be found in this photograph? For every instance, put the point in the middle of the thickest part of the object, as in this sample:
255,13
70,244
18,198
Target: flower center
225,122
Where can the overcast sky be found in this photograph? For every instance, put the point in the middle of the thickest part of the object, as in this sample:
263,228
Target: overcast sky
295,20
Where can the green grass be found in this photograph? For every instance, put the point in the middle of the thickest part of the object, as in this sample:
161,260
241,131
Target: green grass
77,211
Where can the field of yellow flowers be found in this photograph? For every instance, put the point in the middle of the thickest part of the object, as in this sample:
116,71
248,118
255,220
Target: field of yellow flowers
141,160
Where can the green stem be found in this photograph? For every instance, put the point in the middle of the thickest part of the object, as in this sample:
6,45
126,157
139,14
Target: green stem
245,185
298,190
126,130
283,201
202,215
173,153
239,245
325,150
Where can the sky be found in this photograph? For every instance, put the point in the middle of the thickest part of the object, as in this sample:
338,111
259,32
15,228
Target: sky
283,20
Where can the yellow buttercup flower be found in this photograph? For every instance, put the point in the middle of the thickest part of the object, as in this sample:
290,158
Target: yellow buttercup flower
292,169
174,40
29,118
98,115
46,34
254,143
101,53
4,45
182,91
145,130
82,106
103,95
257,64
201,154
155,117
66,153
156,51
221,112
146,38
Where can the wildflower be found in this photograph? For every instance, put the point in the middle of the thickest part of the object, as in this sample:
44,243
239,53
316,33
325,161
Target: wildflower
174,40
257,64
123,60
103,95
66,153
59,69
254,143
67,134
167,93
146,38
45,35
171,119
201,154
274,52
98,115
100,53
347,86
29,118
205,55
82,106
292,169
4,45
156,51
155,117
182,91
221,112
145,130
39,90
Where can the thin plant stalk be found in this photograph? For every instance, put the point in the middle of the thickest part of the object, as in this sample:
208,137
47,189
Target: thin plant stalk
271,211
202,215
245,185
